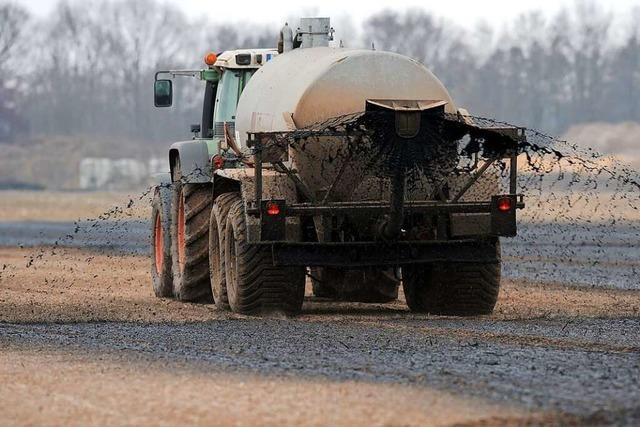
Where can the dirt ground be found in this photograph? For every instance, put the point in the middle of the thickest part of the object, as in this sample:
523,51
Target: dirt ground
74,285
81,389
83,341
65,205
59,367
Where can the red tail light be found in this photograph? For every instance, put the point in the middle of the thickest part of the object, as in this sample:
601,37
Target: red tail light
218,161
273,209
505,204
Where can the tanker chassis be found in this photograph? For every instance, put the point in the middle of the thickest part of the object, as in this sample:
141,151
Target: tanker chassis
333,163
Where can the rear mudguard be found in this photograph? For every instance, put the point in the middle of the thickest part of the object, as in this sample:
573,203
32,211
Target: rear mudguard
193,157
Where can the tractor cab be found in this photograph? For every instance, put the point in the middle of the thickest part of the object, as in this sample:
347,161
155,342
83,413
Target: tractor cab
225,78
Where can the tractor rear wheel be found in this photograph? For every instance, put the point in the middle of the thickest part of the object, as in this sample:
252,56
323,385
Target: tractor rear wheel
161,275
190,242
453,289
363,285
254,284
217,224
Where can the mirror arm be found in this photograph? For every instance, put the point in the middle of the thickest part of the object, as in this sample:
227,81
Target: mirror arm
179,73
208,74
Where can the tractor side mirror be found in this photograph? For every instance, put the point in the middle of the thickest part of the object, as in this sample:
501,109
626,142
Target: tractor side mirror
195,130
163,93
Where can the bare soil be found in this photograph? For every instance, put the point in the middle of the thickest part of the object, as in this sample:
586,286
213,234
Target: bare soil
78,389
83,341
65,205
75,285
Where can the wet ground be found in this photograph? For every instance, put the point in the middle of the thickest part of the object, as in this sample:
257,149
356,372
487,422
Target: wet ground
587,371
590,255
84,341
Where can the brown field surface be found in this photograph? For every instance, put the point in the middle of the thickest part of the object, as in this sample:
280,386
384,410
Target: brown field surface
66,205
46,383
84,341
111,390
74,285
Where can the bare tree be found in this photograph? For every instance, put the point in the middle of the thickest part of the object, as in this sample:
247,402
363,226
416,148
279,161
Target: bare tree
97,58
589,55
415,33
623,86
12,23
101,57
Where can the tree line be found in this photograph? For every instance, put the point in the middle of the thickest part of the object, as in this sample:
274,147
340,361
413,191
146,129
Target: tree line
87,68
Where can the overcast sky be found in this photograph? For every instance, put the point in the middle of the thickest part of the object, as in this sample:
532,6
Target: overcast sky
464,12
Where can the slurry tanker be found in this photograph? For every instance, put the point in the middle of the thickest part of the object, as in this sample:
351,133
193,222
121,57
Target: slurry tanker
352,167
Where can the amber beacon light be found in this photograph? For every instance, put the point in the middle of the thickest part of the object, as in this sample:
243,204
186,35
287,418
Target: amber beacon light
210,58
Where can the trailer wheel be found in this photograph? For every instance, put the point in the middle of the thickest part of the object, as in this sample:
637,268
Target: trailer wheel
217,238
190,242
453,289
161,275
254,284
363,285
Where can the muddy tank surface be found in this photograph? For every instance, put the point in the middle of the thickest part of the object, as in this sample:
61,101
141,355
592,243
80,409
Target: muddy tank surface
307,86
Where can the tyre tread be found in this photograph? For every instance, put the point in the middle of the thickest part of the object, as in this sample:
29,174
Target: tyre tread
193,284
260,286
454,289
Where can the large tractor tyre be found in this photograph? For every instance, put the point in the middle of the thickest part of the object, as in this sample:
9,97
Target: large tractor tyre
191,208
254,284
364,285
217,238
453,289
161,275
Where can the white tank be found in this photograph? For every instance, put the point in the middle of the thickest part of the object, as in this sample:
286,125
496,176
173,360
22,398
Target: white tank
307,86
315,84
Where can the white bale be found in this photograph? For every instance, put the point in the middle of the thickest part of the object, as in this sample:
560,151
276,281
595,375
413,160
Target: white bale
108,174
129,172
95,173
158,165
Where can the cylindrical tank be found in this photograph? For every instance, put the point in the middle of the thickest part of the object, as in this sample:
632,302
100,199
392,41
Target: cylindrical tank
307,86
313,85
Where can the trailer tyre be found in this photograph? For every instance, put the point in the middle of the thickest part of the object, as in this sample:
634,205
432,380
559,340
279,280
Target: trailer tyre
217,227
363,285
254,284
161,274
453,289
190,242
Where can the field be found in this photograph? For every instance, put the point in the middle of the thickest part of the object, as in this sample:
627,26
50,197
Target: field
83,340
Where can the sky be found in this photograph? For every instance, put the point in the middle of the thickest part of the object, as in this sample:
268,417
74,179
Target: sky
462,12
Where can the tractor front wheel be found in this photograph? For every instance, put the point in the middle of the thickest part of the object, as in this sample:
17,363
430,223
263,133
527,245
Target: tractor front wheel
190,242
161,275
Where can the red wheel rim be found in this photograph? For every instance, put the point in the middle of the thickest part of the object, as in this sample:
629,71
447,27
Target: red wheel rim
181,225
158,239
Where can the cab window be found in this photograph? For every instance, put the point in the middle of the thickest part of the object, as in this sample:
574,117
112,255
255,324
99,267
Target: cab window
228,94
